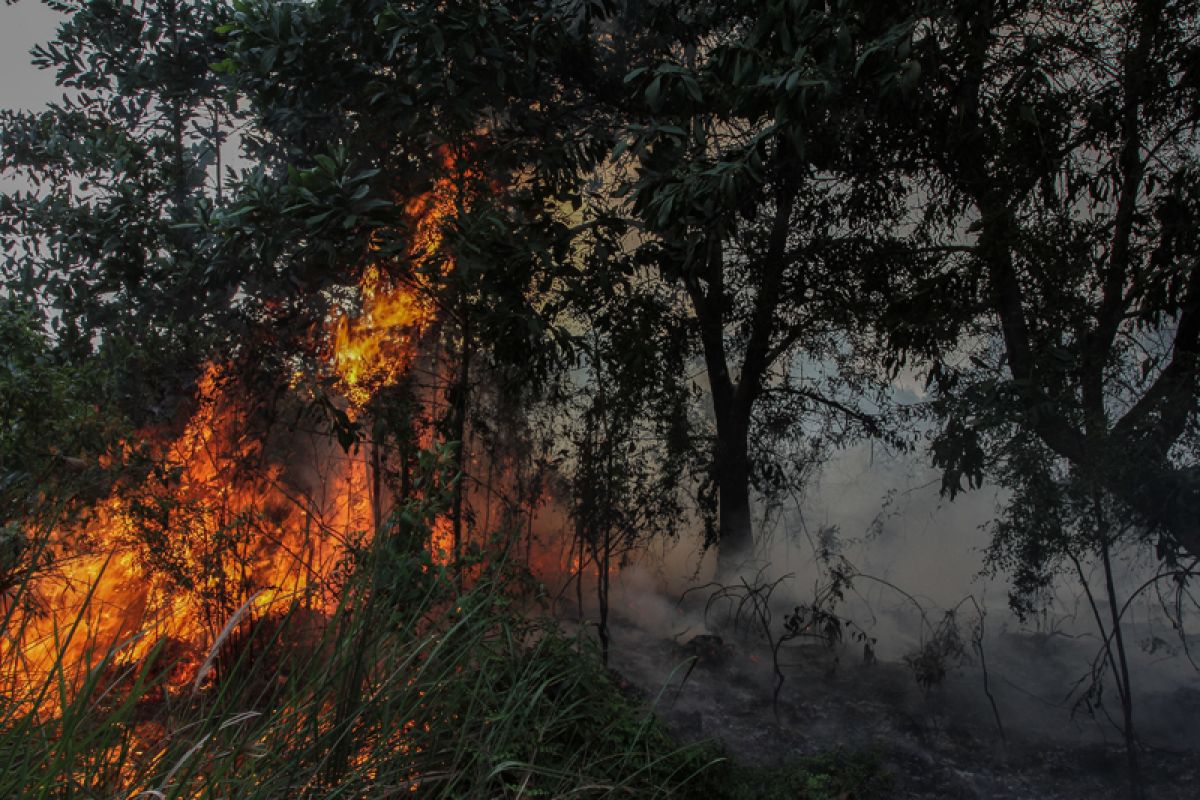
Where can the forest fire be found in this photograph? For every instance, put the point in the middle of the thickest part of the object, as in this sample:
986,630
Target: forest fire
500,400
230,524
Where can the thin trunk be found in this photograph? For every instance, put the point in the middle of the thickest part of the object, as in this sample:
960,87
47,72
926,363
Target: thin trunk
487,497
1118,668
1126,693
606,513
579,575
376,488
405,458
179,179
459,429
602,585
216,134
529,535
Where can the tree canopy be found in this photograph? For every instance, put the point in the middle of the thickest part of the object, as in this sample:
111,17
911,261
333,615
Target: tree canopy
740,219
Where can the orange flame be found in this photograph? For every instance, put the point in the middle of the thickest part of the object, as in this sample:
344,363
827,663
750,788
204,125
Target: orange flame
220,527
214,527
376,347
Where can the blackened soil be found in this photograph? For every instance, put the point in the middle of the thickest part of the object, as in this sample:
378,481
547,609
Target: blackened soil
943,743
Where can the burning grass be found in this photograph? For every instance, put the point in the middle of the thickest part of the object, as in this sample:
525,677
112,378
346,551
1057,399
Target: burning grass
409,687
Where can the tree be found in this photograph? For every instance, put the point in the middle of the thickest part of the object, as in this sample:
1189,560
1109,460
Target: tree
1063,180
123,173
1056,143
756,193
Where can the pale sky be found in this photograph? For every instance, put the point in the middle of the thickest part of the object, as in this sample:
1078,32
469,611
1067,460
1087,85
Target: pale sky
23,25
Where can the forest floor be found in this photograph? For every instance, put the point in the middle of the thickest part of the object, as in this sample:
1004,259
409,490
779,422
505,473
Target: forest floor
938,744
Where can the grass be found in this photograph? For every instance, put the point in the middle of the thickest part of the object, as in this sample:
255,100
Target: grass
836,776
410,689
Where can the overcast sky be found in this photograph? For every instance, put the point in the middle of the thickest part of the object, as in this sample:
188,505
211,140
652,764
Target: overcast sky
23,25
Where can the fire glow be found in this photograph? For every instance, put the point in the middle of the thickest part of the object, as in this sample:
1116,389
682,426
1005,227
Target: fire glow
237,535
219,529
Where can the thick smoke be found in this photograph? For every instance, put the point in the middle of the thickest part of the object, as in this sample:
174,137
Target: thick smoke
918,556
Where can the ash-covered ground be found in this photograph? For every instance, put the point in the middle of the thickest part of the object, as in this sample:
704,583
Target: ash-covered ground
914,558
943,742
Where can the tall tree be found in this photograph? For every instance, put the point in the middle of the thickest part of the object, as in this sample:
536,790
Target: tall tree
755,191
1058,151
1058,142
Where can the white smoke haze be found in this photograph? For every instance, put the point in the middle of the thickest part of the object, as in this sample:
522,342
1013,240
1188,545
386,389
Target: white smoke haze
885,515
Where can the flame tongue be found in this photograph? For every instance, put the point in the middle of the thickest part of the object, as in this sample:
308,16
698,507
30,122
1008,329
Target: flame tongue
376,347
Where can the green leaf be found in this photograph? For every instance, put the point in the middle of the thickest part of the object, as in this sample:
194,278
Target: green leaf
326,163
653,92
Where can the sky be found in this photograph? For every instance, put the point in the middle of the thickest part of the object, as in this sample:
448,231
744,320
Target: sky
22,25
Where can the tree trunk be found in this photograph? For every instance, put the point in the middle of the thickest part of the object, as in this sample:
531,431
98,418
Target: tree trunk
1121,675
459,407
736,534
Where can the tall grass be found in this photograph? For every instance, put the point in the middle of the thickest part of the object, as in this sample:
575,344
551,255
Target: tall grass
410,688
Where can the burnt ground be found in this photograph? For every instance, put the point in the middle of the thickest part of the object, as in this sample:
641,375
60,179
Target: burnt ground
937,744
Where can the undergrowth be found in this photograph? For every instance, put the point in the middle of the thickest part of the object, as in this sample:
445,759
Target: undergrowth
836,776
411,688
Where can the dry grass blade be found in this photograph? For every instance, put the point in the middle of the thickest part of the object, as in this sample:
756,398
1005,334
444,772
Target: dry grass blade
237,617
184,758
